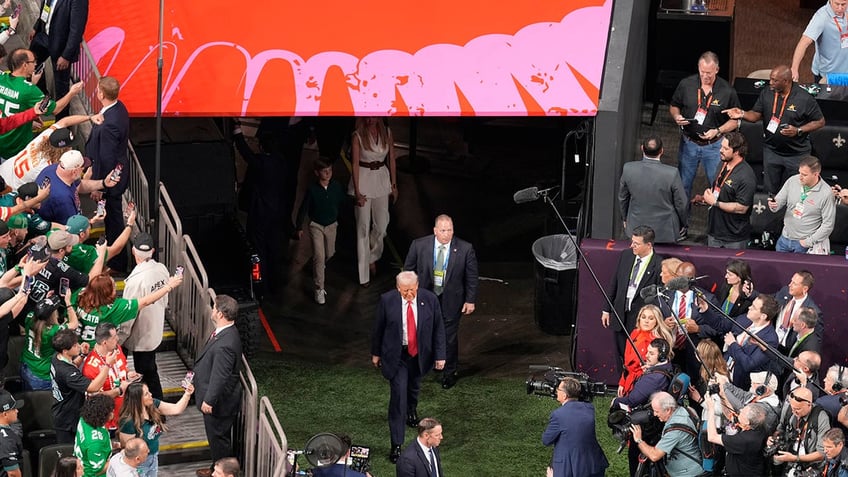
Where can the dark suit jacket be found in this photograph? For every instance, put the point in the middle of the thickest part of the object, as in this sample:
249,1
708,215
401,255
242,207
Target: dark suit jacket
216,373
740,306
783,298
750,358
810,343
66,29
107,146
336,470
618,288
571,430
414,463
461,278
387,336
651,193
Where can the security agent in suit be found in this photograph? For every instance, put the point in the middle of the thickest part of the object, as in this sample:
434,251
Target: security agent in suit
803,336
404,355
447,266
216,380
651,193
571,430
422,458
625,286
57,34
107,148
791,299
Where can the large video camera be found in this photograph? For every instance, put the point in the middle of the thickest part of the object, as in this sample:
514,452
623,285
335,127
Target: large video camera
782,440
619,422
543,381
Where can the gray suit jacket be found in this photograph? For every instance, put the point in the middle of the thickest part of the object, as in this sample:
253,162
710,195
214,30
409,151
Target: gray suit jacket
651,193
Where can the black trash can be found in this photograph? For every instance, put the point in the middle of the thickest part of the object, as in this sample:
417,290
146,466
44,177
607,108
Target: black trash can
556,279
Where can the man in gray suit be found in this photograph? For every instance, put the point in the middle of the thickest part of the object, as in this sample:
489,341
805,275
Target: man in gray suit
651,193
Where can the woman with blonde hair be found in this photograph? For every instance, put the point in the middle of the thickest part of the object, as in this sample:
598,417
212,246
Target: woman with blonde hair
373,180
649,325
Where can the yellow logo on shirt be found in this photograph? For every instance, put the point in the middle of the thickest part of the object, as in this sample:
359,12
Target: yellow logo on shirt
791,107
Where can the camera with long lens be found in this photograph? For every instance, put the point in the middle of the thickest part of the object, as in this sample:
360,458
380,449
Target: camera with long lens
543,381
782,440
619,422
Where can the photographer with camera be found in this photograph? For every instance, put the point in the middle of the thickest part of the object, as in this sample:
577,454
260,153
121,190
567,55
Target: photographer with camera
798,442
656,377
743,449
571,430
836,456
678,444
762,391
340,468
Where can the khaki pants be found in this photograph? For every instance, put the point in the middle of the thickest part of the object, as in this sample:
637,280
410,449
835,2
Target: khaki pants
323,249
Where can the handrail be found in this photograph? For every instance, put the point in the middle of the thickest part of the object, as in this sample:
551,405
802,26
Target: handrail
272,444
194,258
248,417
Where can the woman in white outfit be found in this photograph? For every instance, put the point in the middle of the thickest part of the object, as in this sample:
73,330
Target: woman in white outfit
373,181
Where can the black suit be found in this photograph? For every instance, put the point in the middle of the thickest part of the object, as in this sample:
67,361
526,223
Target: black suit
414,462
107,147
404,372
783,297
216,382
618,294
460,285
66,29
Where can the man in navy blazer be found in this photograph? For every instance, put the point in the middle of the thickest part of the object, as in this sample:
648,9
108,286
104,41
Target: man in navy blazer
422,458
217,390
107,148
57,34
744,354
571,430
453,279
408,339
625,286
797,291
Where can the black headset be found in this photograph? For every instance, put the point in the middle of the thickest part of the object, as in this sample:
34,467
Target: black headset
837,385
663,351
762,388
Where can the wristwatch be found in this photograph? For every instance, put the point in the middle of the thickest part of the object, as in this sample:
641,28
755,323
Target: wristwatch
637,441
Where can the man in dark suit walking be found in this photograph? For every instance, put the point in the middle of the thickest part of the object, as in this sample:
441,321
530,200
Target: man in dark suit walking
651,193
57,34
107,148
422,457
408,339
636,269
447,266
216,380
571,430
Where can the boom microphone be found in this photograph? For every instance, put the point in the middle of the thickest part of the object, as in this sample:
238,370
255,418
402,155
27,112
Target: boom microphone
679,283
530,194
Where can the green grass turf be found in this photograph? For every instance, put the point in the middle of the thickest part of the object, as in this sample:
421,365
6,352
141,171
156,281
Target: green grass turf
491,426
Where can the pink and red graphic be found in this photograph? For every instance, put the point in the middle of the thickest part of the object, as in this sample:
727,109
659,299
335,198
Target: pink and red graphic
375,57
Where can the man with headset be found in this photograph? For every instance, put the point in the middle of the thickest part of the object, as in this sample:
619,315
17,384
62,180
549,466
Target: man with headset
836,387
656,378
762,391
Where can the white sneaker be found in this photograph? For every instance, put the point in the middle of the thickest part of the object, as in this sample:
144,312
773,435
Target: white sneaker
320,296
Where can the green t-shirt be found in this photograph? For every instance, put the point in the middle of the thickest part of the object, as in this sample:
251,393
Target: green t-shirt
122,310
38,360
82,257
18,95
93,447
150,431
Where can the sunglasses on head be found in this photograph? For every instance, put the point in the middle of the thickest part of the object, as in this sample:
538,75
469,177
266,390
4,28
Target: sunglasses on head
799,399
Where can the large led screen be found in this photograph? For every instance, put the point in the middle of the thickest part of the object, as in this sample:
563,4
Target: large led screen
370,57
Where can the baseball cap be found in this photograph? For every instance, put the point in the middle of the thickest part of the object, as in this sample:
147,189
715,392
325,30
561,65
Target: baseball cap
60,239
143,242
4,188
28,190
61,137
77,224
7,402
18,221
39,248
4,229
73,159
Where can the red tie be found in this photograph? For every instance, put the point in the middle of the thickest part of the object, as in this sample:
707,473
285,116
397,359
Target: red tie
787,315
681,309
411,335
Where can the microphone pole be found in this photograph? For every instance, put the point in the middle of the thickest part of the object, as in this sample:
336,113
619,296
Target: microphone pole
785,361
550,202
682,327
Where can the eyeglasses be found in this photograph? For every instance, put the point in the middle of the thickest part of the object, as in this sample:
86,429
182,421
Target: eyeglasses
799,399
31,62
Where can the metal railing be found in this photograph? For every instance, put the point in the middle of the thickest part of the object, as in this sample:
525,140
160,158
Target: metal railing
262,444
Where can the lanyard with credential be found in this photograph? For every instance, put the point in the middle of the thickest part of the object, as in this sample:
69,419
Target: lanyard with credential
722,176
709,98
782,108
839,27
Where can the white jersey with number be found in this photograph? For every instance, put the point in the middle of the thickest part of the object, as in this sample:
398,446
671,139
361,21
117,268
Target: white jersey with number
25,166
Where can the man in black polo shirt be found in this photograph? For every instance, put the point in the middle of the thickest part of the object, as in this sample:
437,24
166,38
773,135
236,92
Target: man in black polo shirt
789,114
11,447
698,108
745,447
731,195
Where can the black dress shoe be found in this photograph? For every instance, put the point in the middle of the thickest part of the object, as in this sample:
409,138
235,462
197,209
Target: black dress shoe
412,419
448,382
395,454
